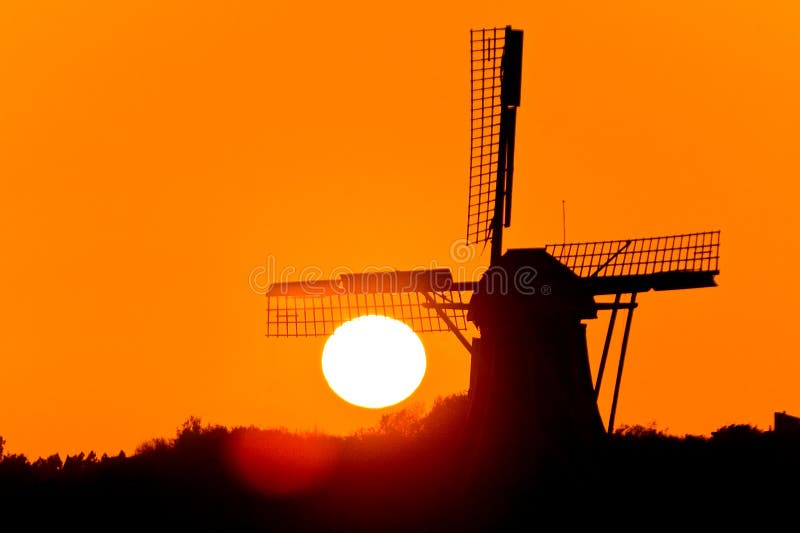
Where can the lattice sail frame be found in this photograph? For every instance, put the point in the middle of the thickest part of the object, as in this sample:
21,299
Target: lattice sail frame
426,302
486,54
670,262
430,301
689,252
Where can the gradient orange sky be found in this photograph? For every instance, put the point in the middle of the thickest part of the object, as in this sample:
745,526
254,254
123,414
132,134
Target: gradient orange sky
154,154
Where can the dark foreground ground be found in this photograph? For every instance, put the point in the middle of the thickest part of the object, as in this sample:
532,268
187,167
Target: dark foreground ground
408,474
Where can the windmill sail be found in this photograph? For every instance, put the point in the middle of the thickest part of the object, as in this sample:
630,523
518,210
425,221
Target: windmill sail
496,63
685,261
426,300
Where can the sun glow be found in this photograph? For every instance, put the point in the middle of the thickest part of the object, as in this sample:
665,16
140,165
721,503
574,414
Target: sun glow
373,361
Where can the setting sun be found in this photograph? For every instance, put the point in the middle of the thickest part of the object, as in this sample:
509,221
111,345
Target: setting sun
373,361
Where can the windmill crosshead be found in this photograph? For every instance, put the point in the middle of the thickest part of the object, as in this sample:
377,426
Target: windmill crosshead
531,382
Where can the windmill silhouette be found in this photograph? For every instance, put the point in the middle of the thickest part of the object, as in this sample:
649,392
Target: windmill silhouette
530,383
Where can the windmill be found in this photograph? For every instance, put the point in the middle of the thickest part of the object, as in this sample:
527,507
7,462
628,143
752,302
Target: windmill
531,383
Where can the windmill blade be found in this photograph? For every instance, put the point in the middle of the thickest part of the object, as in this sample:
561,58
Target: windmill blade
685,261
496,63
426,300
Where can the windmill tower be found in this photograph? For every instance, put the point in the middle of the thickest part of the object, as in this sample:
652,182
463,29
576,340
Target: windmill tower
532,398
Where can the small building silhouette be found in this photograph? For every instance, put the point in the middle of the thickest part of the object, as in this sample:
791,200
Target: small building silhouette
786,424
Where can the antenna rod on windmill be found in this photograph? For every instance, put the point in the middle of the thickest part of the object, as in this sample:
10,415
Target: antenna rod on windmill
564,221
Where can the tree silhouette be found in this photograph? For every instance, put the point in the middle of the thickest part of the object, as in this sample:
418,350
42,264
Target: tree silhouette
404,474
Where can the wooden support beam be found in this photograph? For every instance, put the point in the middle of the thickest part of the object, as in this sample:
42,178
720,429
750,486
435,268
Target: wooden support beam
625,337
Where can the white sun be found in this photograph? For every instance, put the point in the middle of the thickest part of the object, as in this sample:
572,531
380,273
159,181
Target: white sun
373,361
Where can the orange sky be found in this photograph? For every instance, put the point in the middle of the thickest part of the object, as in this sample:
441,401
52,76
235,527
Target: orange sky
153,154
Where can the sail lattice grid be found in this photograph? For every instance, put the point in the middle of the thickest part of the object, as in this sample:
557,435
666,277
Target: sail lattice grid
486,54
308,316
426,300
690,252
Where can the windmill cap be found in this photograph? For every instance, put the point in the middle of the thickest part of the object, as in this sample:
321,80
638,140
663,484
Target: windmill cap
534,278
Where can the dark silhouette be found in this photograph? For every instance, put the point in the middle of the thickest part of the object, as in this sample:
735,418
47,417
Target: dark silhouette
787,423
533,407
405,474
524,449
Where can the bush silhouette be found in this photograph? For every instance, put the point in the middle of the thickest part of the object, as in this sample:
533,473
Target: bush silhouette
404,474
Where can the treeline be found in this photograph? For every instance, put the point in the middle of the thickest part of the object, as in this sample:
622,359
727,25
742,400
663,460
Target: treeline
408,473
